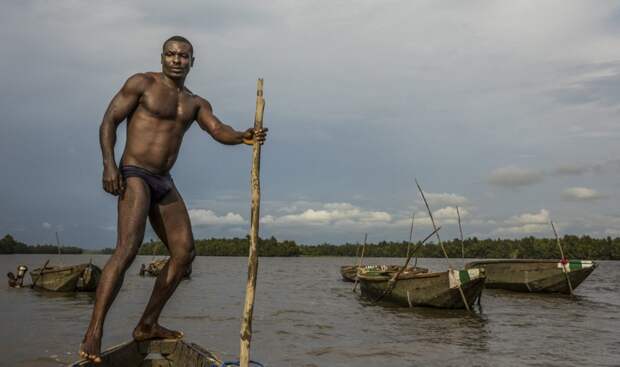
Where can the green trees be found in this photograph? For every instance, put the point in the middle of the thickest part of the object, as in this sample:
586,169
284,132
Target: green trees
575,247
8,245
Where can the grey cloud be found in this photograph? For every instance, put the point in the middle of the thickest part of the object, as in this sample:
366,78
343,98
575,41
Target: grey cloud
512,176
599,83
581,194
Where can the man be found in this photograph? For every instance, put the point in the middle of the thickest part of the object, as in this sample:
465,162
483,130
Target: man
159,109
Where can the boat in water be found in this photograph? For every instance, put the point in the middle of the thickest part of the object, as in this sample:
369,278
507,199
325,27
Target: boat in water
156,266
155,353
349,272
74,278
436,289
535,275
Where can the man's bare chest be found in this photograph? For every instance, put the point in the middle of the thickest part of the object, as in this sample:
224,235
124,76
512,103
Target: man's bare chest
168,104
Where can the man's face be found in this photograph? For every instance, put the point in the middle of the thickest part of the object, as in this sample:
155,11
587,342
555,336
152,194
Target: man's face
177,59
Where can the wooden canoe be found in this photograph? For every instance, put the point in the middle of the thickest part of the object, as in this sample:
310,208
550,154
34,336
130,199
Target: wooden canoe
155,353
156,266
534,275
82,277
427,289
349,273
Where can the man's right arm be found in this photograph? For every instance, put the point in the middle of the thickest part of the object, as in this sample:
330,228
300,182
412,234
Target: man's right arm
123,104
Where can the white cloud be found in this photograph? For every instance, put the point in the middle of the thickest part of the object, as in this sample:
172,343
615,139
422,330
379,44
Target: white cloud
446,199
526,223
542,217
513,176
336,214
524,229
580,194
46,225
202,217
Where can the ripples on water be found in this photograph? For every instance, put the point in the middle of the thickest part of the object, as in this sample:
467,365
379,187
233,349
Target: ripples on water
305,316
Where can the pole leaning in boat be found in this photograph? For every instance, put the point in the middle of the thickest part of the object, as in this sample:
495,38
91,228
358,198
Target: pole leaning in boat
430,214
359,263
248,308
557,240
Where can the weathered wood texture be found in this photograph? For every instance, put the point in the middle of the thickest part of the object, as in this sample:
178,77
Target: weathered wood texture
82,277
155,353
534,275
248,308
430,289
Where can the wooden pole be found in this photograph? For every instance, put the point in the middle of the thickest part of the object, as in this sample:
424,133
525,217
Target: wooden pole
248,308
394,279
34,284
458,214
359,263
557,240
430,214
410,233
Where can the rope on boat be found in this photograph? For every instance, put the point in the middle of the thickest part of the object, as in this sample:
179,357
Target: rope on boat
238,363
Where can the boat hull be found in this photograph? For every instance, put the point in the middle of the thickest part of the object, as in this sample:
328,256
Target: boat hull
82,277
430,289
154,353
546,276
155,267
349,272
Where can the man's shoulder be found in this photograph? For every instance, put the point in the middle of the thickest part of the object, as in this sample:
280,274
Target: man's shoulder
200,101
139,82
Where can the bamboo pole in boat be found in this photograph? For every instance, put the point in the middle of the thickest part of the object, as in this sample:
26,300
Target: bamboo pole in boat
40,274
430,214
410,234
359,263
557,240
458,214
394,279
248,308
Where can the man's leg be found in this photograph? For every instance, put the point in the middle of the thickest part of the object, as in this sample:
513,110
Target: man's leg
171,223
133,208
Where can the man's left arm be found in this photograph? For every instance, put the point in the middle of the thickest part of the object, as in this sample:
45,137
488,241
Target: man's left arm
222,132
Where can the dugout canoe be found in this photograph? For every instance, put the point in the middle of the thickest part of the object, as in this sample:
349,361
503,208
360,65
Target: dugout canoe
156,266
73,278
534,275
155,353
349,272
438,289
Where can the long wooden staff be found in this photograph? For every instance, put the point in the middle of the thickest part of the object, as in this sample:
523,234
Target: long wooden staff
394,279
458,214
34,284
248,308
410,233
430,214
557,240
359,263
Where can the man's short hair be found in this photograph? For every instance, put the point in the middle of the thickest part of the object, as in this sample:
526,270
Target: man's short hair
178,39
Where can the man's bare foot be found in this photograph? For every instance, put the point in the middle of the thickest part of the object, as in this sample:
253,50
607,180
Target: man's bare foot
147,332
91,347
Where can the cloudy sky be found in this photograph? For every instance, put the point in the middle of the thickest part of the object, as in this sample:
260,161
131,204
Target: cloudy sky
509,110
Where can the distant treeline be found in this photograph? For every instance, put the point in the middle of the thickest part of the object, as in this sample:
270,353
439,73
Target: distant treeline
575,247
8,245
231,247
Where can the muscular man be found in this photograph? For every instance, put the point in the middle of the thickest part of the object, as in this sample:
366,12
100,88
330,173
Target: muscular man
159,109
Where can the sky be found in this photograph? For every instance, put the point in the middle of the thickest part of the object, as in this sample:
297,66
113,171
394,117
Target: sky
508,110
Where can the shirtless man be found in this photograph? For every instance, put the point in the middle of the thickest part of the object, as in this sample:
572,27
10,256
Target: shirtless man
159,109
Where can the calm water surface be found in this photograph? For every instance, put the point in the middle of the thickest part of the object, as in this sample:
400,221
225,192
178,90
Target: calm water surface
306,316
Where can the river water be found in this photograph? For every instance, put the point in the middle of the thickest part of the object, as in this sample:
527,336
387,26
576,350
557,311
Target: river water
306,316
